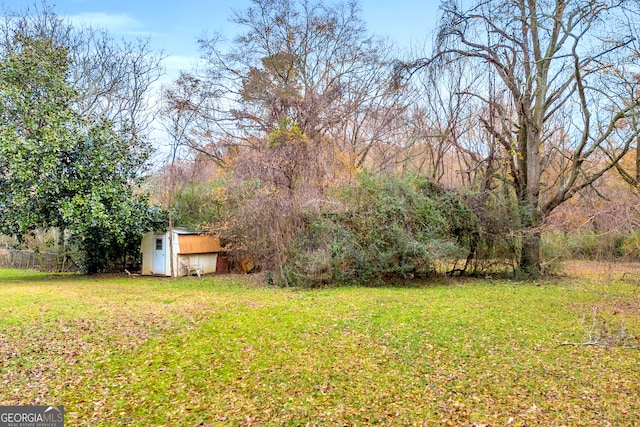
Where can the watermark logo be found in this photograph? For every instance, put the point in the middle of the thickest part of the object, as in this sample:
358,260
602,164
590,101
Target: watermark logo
31,416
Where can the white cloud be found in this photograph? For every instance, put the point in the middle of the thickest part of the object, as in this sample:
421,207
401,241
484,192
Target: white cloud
119,23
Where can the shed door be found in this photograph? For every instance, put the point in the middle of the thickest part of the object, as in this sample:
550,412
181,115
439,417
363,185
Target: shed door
159,255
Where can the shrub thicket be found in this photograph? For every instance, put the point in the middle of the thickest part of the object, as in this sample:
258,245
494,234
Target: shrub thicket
379,229
591,245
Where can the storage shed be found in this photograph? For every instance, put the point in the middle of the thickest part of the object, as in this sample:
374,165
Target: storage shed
179,251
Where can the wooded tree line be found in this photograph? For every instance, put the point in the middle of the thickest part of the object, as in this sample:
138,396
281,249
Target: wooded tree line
521,107
321,153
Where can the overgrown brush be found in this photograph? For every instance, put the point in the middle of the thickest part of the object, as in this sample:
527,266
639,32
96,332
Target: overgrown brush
381,228
377,229
591,245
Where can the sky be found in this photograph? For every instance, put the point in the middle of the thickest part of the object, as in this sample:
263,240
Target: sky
174,26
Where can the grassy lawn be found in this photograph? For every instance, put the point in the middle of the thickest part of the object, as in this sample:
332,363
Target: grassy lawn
221,351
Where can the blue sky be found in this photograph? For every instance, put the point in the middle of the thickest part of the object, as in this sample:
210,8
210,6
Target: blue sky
174,26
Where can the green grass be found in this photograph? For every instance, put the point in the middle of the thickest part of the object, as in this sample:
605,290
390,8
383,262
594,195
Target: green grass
220,351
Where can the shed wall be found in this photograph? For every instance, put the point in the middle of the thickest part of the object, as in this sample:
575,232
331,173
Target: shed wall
207,262
147,253
198,250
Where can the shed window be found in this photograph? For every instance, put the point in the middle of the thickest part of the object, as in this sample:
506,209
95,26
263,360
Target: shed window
158,244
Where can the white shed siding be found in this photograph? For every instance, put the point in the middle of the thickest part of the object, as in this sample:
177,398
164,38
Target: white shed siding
206,261
147,253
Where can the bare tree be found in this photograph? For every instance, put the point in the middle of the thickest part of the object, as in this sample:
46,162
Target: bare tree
570,97
299,62
297,98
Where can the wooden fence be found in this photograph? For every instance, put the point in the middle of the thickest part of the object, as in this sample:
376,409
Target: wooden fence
30,260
